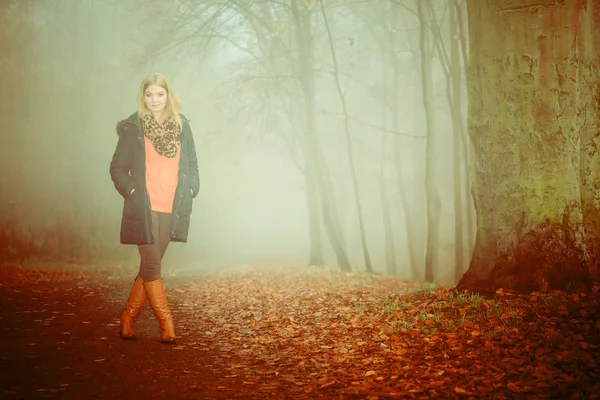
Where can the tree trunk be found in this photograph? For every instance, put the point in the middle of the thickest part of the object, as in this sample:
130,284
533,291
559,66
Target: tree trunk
314,223
359,208
458,9
408,216
533,119
297,122
458,156
266,20
450,63
297,126
390,248
433,201
316,165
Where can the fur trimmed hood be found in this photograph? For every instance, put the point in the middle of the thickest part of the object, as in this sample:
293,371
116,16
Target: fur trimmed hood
129,125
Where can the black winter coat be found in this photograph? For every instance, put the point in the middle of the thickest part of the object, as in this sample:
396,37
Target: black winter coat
128,171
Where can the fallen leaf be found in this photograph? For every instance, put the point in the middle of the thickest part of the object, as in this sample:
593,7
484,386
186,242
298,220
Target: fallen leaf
514,387
327,385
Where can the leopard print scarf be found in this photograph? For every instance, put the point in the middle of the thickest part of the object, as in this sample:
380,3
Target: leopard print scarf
166,137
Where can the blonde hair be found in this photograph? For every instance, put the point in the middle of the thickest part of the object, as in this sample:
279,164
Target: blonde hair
173,105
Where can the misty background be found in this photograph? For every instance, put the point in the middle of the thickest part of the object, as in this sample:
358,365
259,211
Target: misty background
70,70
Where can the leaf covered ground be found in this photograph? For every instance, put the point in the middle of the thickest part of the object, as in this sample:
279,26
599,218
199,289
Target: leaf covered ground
293,333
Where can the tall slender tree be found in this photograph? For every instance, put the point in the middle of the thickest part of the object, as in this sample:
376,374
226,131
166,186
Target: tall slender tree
351,161
433,201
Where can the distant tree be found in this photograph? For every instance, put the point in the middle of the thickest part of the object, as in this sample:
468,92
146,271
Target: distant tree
453,65
433,200
351,157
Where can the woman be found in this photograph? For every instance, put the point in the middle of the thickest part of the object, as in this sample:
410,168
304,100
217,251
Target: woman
155,169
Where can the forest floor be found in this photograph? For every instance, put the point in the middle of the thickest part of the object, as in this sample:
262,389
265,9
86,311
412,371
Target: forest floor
283,333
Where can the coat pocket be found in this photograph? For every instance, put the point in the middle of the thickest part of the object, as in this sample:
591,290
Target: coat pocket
133,206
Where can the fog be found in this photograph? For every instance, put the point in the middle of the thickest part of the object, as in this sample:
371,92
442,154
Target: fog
71,70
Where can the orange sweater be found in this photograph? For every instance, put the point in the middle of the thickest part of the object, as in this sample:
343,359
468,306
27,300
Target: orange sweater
161,178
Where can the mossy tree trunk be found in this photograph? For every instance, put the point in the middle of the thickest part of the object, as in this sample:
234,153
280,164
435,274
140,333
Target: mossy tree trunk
533,125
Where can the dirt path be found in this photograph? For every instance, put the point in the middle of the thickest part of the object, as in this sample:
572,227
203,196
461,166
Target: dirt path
59,339
292,334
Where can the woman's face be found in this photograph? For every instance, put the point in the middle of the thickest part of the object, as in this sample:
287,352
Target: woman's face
156,99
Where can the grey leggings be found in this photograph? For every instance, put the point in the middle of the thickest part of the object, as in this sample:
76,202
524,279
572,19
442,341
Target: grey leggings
151,254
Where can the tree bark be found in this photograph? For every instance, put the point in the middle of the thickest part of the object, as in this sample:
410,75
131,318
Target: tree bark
533,119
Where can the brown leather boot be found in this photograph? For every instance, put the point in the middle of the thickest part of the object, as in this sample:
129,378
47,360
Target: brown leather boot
133,308
155,291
